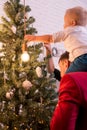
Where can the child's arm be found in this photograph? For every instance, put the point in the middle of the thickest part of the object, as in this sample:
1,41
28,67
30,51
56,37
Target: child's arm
44,38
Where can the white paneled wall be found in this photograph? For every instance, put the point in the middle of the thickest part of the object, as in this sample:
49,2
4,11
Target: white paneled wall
49,15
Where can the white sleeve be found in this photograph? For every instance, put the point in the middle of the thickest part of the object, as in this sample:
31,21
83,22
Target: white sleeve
59,36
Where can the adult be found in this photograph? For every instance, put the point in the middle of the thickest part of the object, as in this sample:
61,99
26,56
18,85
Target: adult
71,110
63,63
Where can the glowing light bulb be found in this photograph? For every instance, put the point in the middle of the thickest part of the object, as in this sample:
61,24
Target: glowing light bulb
25,56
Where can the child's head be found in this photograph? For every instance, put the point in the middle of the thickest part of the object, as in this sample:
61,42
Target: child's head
75,16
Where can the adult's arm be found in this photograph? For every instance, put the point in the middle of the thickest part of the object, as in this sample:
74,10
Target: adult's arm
50,64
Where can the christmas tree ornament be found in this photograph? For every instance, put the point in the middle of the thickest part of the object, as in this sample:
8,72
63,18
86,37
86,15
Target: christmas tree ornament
9,95
43,54
13,28
22,75
13,59
6,76
25,56
1,126
48,75
1,45
39,72
36,91
27,84
20,109
41,57
3,105
13,90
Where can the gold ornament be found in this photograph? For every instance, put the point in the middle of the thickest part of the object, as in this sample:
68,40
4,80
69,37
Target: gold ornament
39,72
27,84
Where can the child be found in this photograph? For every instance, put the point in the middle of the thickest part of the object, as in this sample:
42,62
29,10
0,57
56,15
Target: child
74,36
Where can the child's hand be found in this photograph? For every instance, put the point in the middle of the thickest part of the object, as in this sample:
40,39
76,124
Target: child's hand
29,37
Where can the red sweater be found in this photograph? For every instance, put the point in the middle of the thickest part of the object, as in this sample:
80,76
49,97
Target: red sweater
71,110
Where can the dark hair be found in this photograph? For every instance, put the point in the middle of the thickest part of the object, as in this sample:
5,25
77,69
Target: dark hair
64,56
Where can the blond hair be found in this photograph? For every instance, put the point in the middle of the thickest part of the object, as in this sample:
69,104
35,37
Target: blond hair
78,14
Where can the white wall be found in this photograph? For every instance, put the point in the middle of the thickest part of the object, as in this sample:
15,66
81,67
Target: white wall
49,15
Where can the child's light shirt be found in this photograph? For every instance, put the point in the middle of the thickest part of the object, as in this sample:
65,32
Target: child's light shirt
75,40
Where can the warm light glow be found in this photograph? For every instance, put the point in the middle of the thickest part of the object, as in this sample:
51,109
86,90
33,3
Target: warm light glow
25,56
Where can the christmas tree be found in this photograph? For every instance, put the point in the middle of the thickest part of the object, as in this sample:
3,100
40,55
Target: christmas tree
27,94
